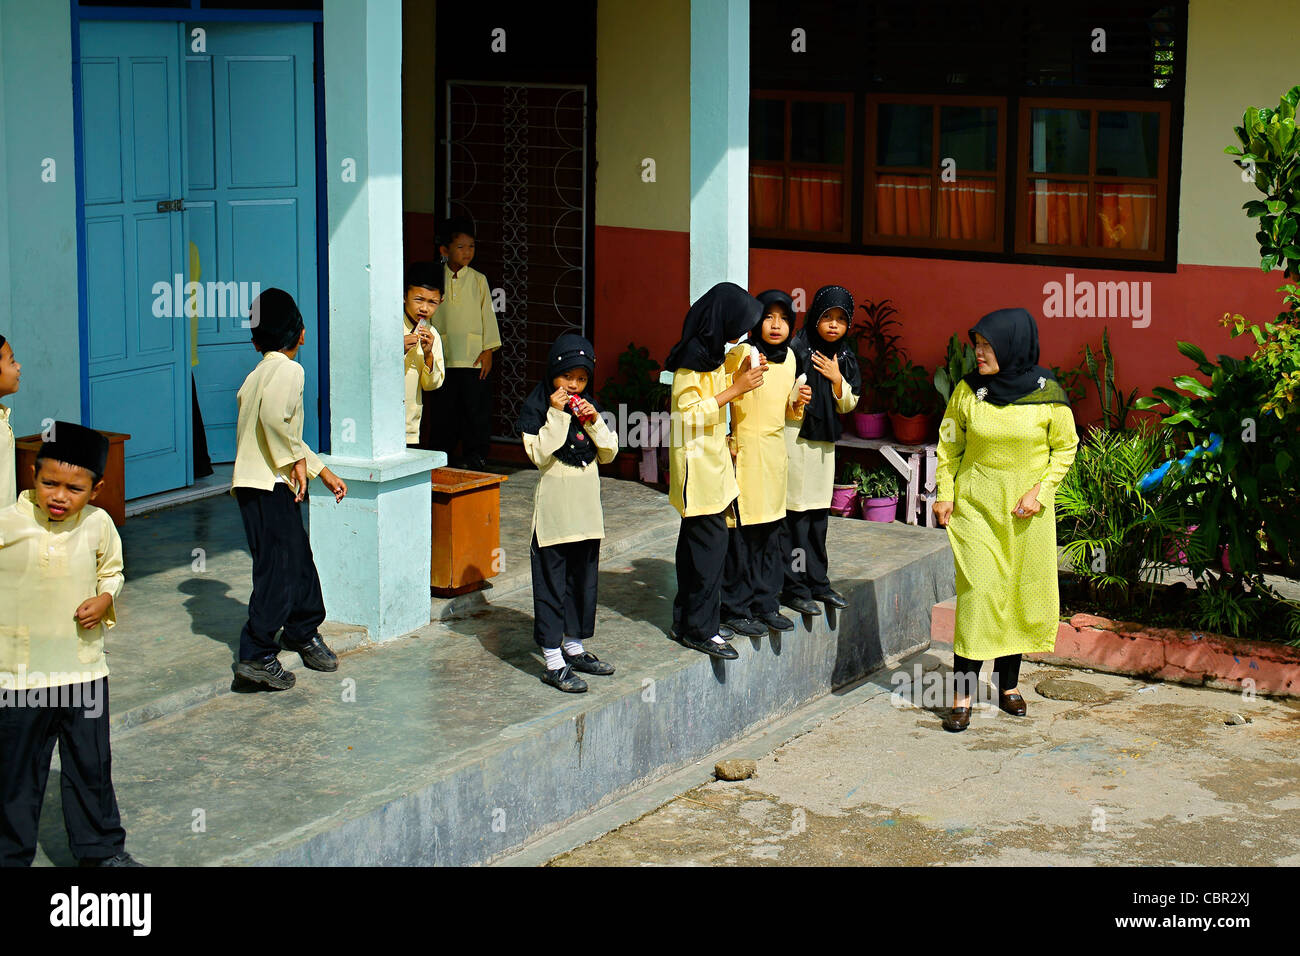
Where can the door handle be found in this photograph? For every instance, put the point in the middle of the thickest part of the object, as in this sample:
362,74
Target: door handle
171,205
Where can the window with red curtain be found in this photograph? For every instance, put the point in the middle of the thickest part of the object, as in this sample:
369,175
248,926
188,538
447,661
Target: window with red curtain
934,173
799,165
1090,178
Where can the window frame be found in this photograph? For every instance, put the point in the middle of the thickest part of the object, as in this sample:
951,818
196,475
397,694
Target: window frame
1022,246
871,169
788,97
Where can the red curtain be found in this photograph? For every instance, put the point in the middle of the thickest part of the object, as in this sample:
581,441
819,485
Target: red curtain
816,200
1125,216
902,205
967,210
1057,213
765,185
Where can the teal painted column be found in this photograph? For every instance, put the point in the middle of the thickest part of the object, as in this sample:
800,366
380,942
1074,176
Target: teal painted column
372,550
719,143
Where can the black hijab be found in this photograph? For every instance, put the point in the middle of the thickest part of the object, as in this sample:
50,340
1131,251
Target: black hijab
1020,380
821,420
724,313
775,353
569,351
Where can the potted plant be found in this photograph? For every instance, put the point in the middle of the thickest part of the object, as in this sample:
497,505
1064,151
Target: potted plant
958,363
878,489
844,495
874,340
635,388
910,399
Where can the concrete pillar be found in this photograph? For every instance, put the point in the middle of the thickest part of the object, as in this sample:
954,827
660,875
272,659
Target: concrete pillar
372,550
719,143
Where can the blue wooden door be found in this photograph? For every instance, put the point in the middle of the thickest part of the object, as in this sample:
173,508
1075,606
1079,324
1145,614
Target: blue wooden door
250,203
137,372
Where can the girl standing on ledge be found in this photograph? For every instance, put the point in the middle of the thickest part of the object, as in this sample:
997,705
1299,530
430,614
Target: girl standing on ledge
1006,441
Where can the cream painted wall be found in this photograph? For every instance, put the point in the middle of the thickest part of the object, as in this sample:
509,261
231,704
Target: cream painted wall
1233,61
643,109
421,160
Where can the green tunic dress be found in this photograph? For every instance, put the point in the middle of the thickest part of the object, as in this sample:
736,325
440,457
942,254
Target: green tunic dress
1008,601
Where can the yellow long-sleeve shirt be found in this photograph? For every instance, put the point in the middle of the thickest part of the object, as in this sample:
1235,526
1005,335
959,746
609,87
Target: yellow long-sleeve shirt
566,505
812,463
465,319
268,434
47,569
420,378
701,478
8,475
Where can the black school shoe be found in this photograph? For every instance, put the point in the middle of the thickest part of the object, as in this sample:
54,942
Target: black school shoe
121,859
588,663
832,599
268,674
708,646
802,605
564,679
777,621
747,626
316,655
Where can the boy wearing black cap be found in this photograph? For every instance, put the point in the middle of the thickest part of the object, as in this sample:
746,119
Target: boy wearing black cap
272,468
421,345
60,574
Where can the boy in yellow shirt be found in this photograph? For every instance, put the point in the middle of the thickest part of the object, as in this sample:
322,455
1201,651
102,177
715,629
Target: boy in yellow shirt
272,468
10,372
60,575
421,346
468,327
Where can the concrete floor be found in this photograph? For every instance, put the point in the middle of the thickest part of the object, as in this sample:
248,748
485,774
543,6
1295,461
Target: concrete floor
1150,775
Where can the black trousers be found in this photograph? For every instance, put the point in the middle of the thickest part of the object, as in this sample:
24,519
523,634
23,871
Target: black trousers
286,588
701,557
966,673
804,553
751,579
27,737
459,411
564,591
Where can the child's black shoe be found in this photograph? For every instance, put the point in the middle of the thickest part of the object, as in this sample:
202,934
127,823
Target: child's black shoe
121,859
802,605
708,646
269,674
832,599
747,626
317,655
588,663
564,679
777,621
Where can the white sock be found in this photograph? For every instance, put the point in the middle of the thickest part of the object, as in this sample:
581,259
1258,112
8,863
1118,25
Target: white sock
554,659
572,648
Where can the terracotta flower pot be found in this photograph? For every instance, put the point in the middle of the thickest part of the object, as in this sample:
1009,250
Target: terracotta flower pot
910,429
870,424
880,509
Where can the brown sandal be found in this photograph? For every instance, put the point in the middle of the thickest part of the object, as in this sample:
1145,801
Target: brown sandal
1012,703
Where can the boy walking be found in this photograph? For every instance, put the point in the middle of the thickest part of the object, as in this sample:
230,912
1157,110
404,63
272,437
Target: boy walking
60,574
272,468
462,408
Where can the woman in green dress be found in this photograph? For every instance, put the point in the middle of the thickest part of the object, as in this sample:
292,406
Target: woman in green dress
1006,441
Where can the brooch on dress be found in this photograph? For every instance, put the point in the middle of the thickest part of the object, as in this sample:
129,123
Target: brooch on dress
1042,383
980,393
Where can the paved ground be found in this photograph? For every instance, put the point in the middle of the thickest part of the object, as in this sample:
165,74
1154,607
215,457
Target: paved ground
1150,775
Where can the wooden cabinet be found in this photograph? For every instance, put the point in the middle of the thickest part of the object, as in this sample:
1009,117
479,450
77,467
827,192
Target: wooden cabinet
466,530
112,497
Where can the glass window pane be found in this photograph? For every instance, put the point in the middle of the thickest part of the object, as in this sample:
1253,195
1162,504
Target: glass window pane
1128,144
904,133
817,132
969,135
902,205
766,195
1057,213
1126,216
767,130
1058,141
968,209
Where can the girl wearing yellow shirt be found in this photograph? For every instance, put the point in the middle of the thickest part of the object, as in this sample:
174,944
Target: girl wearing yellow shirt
702,481
751,579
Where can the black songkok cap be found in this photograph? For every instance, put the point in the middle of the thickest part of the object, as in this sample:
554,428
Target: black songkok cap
275,321
76,445
426,275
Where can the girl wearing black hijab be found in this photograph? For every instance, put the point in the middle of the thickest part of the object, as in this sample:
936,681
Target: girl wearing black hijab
1006,441
564,437
702,481
835,382
751,580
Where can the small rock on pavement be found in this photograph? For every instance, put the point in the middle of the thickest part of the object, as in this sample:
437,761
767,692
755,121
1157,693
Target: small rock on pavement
735,769
1054,688
1235,720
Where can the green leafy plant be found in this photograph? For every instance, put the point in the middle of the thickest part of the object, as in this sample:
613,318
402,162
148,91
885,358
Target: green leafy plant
1115,407
850,473
1270,154
1074,389
958,363
905,387
878,483
874,340
636,383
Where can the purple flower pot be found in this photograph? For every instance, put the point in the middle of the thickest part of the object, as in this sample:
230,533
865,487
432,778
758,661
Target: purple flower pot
880,509
870,424
844,500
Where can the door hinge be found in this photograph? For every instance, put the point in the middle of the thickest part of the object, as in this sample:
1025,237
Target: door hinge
171,205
